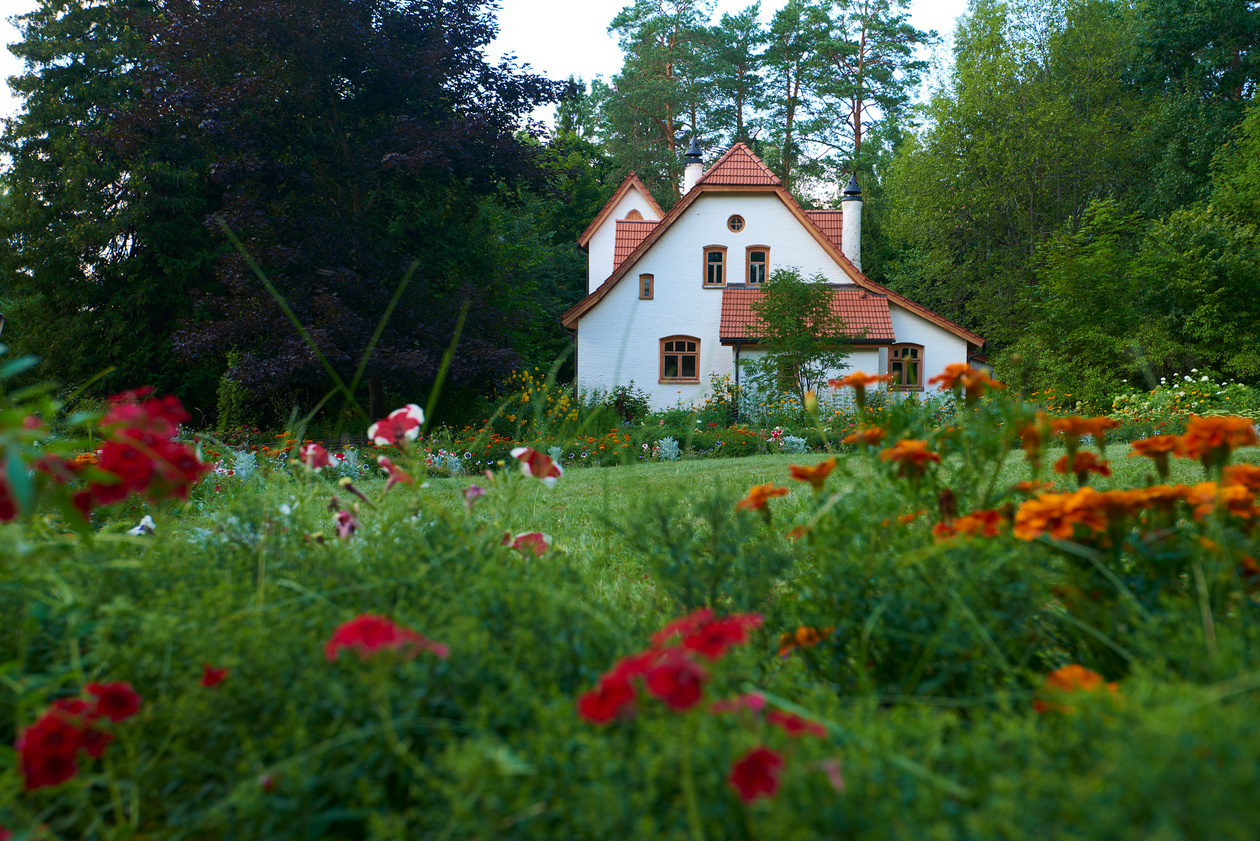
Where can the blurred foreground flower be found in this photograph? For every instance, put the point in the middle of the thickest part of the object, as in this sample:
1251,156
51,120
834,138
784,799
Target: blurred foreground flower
368,635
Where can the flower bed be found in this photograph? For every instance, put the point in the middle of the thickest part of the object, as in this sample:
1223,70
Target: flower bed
897,641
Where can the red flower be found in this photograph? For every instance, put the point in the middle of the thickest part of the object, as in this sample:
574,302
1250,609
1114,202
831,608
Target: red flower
369,634
714,639
5,834
683,625
756,774
636,665
538,465
47,751
313,457
611,698
676,679
8,504
210,676
116,701
794,725
534,541
401,424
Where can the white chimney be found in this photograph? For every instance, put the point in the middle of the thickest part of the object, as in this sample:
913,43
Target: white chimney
693,166
851,236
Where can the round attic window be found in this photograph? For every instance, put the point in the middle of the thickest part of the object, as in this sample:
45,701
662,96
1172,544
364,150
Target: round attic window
735,223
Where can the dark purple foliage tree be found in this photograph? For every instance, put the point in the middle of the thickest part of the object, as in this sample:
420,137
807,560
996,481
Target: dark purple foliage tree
343,140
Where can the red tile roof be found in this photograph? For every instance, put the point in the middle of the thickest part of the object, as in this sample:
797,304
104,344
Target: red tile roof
629,235
830,223
865,314
739,166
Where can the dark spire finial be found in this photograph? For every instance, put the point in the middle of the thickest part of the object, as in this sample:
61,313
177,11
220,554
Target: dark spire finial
852,192
694,155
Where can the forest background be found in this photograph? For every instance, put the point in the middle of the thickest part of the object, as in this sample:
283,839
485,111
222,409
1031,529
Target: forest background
1082,187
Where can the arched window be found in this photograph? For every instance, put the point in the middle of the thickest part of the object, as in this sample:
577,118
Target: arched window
634,216
646,282
680,359
905,363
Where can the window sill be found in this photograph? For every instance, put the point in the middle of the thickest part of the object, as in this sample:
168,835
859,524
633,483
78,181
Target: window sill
682,382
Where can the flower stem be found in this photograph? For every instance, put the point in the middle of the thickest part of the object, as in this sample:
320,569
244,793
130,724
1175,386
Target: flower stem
694,825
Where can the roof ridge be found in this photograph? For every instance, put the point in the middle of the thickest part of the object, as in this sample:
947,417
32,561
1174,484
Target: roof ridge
741,147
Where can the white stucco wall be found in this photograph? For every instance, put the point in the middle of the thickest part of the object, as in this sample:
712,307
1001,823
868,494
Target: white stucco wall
603,242
940,346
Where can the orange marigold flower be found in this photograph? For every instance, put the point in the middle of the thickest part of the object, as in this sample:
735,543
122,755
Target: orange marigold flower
985,523
1028,487
870,436
1083,463
1075,427
1247,475
1059,514
911,454
1237,500
1249,570
1164,496
1122,503
943,532
816,475
1156,446
803,637
858,379
1071,678
912,516
952,376
759,495
1216,436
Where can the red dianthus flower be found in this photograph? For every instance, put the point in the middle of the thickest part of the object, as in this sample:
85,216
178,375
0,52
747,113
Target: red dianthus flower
756,774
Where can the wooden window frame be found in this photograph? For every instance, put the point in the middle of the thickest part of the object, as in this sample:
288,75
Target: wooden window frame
922,358
704,268
735,223
675,351
647,287
748,252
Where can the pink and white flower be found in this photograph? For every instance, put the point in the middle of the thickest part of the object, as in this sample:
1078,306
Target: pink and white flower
396,474
313,457
530,541
539,465
401,424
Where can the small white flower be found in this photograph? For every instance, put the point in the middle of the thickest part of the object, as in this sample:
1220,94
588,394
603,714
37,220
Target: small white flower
146,527
285,509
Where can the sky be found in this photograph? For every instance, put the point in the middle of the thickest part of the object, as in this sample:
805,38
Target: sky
557,38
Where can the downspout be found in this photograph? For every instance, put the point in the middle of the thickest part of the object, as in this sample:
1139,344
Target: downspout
738,344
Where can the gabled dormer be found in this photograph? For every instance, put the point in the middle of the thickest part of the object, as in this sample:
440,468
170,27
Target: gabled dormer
628,217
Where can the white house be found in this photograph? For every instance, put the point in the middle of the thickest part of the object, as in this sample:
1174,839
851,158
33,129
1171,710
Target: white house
669,294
